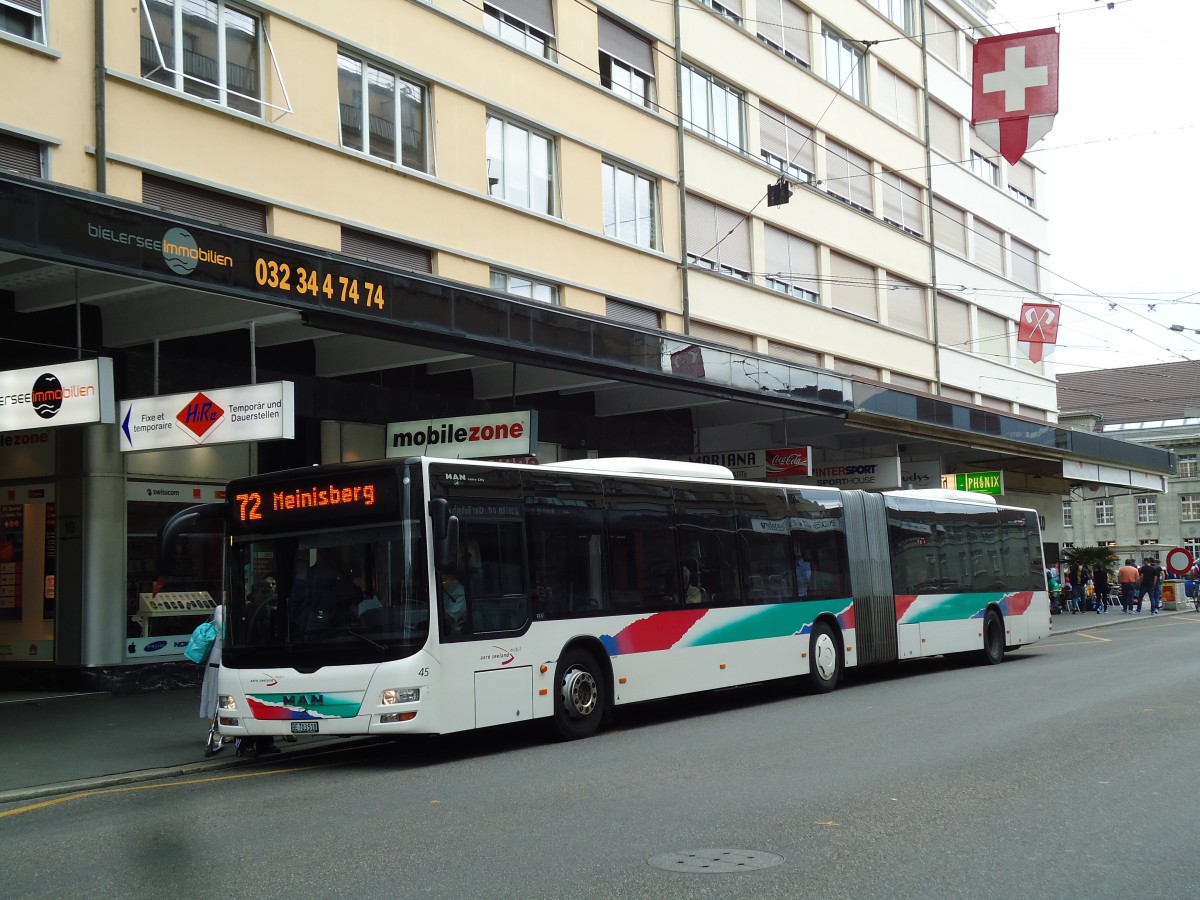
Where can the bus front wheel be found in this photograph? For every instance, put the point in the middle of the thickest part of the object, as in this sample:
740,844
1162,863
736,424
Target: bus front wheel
824,659
579,701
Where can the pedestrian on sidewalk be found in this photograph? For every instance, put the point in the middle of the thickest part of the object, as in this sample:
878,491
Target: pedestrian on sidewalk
1127,580
1100,582
208,687
1150,585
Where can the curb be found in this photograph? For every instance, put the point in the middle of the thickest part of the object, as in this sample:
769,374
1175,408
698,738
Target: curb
103,782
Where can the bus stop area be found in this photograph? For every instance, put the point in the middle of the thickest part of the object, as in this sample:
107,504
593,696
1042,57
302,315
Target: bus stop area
61,743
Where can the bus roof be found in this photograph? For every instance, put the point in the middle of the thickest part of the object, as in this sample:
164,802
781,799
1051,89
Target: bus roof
632,465
944,494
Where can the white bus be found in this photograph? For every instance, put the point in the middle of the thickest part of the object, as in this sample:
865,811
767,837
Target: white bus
433,596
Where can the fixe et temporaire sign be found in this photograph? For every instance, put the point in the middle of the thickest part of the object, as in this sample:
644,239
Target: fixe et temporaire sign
977,482
251,412
465,437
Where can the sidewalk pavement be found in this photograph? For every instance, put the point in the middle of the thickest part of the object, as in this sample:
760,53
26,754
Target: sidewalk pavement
58,743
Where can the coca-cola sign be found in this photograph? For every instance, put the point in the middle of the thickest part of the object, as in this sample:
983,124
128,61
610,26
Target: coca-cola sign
789,462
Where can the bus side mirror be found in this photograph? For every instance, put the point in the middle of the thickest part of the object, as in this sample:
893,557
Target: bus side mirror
445,534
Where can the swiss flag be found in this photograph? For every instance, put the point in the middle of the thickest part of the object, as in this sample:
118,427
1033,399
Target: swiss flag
1015,90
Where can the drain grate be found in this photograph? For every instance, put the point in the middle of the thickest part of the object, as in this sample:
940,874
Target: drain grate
705,861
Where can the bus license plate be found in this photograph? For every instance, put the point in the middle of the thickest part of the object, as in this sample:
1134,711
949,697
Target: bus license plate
306,727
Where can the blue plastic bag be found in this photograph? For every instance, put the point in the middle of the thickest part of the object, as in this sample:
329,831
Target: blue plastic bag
201,642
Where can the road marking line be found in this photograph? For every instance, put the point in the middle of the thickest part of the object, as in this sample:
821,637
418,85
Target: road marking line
148,787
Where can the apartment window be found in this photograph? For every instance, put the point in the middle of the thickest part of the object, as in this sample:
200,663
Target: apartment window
985,168
1068,545
902,204
895,99
629,206
520,165
717,238
626,62
852,287
989,249
1192,546
207,48
791,264
786,144
726,9
900,12
1067,514
991,334
1020,196
954,322
949,227
393,104
783,26
1022,264
713,108
1104,512
1189,507
845,67
945,132
1189,465
386,250
20,156
631,313
1147,510
22,18
942,38
523,286
201,203
906,306
528,24
848,176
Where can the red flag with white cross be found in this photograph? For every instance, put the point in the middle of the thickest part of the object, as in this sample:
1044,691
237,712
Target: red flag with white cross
1015,90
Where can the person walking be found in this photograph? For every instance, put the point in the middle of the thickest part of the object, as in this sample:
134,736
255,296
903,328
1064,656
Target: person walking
1127,581
1100,582
208,687
1150,585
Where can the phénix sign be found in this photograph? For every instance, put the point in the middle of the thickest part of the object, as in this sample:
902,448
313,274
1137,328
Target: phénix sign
251,412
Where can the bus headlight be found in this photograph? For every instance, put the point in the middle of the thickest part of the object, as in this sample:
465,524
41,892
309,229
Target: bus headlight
400,695
226,701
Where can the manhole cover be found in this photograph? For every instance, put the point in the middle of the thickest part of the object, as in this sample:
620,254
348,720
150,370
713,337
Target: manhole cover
715,860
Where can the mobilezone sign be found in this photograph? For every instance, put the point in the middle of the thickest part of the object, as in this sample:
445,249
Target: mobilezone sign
252,412
465,437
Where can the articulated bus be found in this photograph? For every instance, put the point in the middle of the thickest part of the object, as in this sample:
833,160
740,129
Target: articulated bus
427,595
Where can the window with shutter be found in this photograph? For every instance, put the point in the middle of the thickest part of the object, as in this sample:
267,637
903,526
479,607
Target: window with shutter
849,176
631,313
949,227
385,250
852,287
786,144
791,264
989,251
942,38
20,156
954,322
190,200
902,205
906,307
784,26
945,132
1023,267
719,335
717,238
626,62
528,24
22,18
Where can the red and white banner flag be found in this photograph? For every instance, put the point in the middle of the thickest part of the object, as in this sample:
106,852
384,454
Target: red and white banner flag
1038,326
1015,90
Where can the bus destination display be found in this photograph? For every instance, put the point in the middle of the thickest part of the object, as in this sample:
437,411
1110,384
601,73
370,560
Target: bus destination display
334,499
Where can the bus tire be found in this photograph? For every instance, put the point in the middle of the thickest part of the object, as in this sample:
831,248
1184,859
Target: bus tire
824,659
993,638
579,701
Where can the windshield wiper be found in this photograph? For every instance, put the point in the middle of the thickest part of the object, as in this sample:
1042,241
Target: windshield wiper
362,637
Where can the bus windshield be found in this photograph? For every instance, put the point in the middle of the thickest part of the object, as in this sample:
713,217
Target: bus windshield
340,596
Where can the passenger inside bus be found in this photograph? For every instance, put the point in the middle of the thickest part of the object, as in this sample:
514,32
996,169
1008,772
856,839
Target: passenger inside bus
454,602
692,594
325,597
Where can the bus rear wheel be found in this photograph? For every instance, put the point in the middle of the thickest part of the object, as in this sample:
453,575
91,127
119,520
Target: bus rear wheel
993,638
824,659
579,701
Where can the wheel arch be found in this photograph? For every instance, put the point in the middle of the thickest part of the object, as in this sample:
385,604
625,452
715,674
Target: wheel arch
598,652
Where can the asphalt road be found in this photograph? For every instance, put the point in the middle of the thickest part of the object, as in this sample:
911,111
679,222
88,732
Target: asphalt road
1066,772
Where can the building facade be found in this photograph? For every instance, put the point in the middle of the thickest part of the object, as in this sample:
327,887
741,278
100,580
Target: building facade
1156,405
419,211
